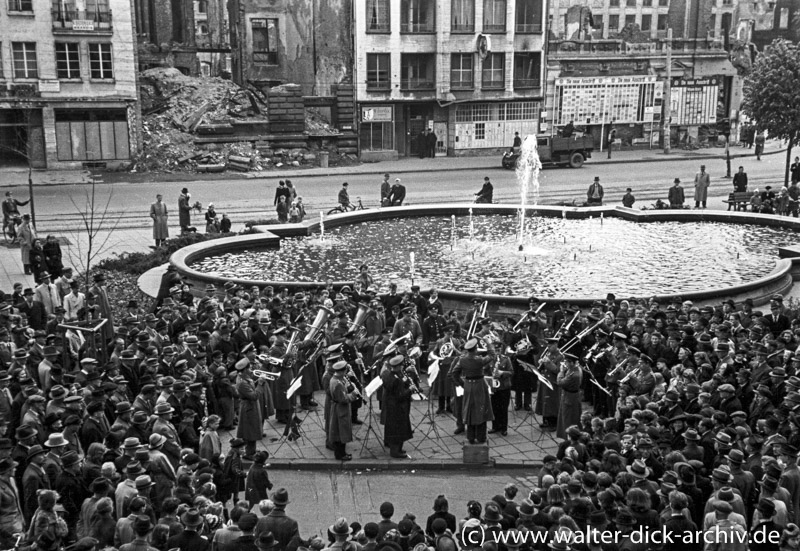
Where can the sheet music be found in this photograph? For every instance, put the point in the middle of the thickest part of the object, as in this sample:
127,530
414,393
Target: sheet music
459,391
294,387
433,372
373,385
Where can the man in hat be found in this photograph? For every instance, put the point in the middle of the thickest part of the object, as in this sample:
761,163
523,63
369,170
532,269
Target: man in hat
283,528
94,427
71,486
52,465
51,353
766,532
33,479
101,296
250,420
47,293
702,181
469,372
33,310
11,519
594,196
185,211
791,477
676,196
142,527
733,534
547,398
163,426
190,539
340,429
396,407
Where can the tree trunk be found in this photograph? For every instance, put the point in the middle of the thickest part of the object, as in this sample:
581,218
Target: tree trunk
788,160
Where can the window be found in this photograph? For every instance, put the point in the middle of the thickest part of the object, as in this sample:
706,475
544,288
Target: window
647,3
647,21
494,71
462,72
597,23
68,63
614,3
730,3
494,16
663,2
417,71
265,40
726,21
377,136
630,19
417,16
202,29
662,21
462,16
529,16
378,16
378,71
630,3
480,130
613,23
20,5
100,64
527,70
25,65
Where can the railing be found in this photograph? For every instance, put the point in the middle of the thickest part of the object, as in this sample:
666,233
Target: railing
520,83
528,28
417,27
417,84
81,20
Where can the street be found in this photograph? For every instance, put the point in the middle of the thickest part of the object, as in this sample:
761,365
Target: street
252,198
318,498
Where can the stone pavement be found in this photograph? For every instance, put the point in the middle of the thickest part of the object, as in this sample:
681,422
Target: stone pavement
433,446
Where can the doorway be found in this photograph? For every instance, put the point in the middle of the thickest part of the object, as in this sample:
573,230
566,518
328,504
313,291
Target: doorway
417,117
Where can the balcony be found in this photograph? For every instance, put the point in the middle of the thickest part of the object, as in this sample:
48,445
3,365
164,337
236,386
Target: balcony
81,21
523,83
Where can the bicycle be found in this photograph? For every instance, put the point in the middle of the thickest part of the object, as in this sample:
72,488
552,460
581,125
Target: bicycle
341,209
10,228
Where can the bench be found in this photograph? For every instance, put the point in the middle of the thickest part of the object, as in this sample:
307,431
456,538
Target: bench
739,200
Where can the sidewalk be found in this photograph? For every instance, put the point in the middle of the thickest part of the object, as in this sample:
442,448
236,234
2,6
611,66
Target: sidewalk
19,177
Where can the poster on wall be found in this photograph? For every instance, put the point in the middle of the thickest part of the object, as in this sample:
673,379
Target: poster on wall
694,101
601,100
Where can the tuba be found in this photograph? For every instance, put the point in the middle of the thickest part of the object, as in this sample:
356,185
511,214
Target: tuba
358,321
315,332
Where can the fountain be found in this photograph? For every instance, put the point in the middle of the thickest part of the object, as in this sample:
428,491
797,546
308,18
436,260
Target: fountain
528,167
321,226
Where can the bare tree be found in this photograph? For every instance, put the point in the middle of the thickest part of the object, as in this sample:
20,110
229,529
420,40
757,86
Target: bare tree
95,219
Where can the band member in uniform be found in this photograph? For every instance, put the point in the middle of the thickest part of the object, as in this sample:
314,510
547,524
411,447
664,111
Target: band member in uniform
340,428
396,410
356,368
600,360
469,372
546,399
501,395
570,377
447,349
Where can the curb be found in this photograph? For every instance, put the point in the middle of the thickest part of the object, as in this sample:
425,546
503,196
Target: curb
403,465
345,172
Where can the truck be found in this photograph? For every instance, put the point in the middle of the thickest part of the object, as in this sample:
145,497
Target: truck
557,150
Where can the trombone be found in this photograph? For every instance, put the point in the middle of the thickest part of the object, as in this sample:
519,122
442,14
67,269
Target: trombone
261,374
529,313
577,338
479,313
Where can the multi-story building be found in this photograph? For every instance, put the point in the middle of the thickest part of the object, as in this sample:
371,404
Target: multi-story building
607,68
470,70
212,37
67,82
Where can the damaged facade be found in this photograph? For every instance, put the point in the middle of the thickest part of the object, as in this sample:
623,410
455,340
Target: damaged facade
607,68
165,33
67,83
470,70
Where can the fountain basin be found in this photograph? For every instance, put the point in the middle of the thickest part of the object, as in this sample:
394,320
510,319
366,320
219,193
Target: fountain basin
775,277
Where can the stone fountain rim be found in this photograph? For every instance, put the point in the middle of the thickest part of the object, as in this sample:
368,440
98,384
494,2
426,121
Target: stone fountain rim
778,280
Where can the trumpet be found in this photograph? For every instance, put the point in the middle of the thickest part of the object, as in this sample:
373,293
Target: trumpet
634,372
394,343
261,374
620,365
271,360
479,313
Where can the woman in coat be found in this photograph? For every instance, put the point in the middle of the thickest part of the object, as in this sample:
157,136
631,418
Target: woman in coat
52,257
158,212
26,235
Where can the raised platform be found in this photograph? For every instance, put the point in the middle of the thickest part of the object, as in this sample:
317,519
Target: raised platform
759,290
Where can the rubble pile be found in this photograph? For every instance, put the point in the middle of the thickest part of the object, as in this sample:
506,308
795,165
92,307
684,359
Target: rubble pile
177,109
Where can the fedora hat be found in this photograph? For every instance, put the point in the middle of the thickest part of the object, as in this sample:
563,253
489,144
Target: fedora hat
143,482
638,469
131,443
70,458
157,440
736,456
35,450
192,518
56,440
340,527
491,512
266,540
280,497
163,409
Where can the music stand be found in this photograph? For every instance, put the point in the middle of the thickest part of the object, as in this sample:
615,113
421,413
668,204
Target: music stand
530,416
292,432
370,428
432,427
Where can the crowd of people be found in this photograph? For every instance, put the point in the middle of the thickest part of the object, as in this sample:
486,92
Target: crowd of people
109,426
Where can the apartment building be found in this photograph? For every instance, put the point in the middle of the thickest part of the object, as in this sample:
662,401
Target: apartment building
469,70
67,83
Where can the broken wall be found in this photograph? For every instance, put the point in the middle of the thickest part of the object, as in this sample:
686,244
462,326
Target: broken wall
314,43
